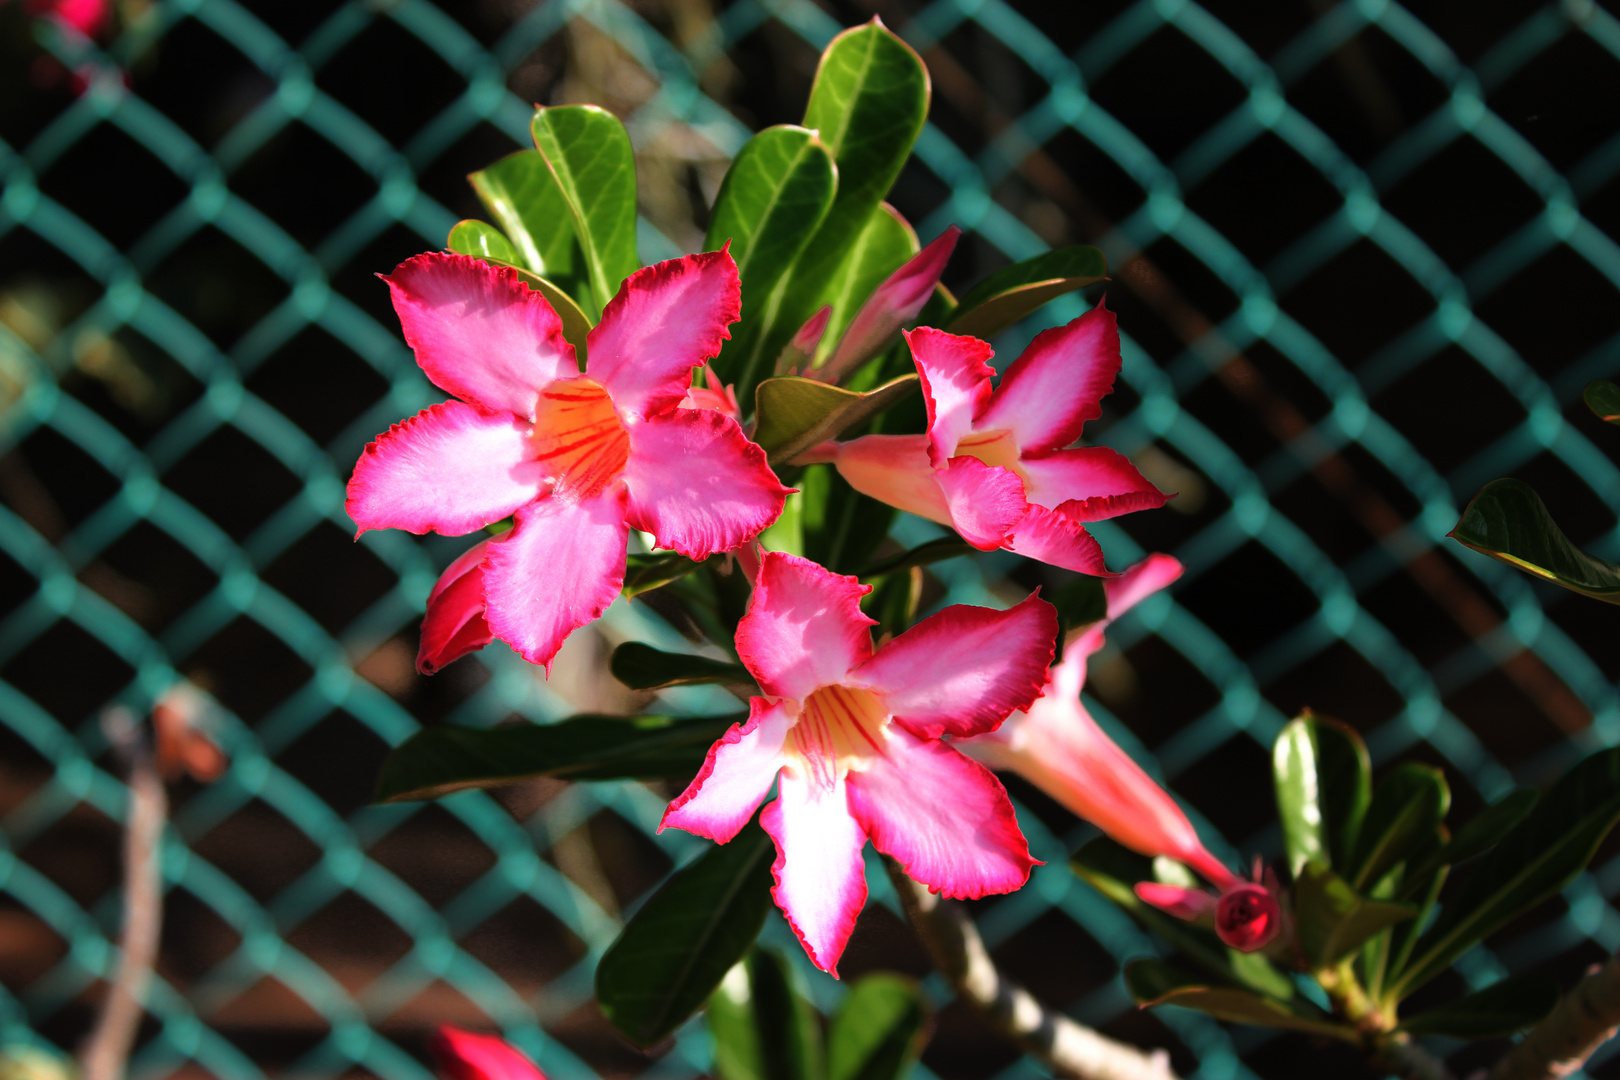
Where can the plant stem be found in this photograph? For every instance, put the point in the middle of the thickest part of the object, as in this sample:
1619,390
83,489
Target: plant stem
1069,1048
106,1051
1406,1059
1558,1046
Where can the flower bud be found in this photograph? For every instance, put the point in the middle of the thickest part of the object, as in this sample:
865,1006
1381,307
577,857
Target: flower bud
1188,904
1247,917
464,1055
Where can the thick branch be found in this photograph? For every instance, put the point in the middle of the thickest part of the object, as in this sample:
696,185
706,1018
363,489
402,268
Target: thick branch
1560,1044
958,952
107,1049
1406,1059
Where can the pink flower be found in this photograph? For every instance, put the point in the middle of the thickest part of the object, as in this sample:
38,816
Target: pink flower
463,1055
993,465
579,459
854,735
1248,917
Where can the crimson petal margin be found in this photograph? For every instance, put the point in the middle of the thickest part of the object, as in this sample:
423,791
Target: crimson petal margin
1050,536
736,776
956,374
820,876
985,501
804,628
454,624
1058,384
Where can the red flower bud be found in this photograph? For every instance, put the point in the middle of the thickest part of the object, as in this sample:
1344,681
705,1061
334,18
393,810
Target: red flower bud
1247,917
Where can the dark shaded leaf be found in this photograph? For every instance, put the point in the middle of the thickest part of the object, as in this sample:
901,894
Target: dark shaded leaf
1603,398
841,527
675,950
879,1031
794,414
1508,521
1324,782
764,1027
1152,982
1500,1009
1332,919
589,155
1014,291
642,667
1477,837
644,573
946,547
439,760
1081,602
1407,807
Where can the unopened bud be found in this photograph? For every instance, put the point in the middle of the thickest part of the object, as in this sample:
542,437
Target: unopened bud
1247,917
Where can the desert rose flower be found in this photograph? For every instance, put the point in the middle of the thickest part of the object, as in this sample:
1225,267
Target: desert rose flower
851,736
579,459
464,1055
996,465
1246,914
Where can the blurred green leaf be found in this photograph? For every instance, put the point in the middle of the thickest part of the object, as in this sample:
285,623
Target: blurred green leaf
1500,1009
482,240
439,760
1014,291
1477,837
642,667
841,527
1152,982
588,152
1508,521
764,1027
523,197
675,950
1603,398
794,414
879,1031
1324,782
1407,807
644,573
946,547
770,204
1333,919
1081,602
877,250
1534,861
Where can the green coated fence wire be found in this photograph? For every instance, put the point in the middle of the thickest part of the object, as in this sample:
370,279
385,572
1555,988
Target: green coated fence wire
1159,383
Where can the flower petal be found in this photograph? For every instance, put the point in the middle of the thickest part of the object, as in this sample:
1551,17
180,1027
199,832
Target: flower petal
1188,904
985,501
1058,383
956,376
945,818
892,305
558,569
804,628
737,774
1140,581
479,332
451,468
465,1055
894,469
454,624
1052,537
820,878
1101,481
962,671
665,320
697,484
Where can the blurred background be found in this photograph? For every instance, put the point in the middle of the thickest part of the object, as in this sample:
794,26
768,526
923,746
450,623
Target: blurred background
1364,256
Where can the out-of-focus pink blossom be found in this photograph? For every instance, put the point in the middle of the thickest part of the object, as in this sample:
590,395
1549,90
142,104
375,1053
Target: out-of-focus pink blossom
466,1055
88,17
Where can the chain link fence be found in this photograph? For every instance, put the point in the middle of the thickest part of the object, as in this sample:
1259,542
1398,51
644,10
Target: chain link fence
1364,259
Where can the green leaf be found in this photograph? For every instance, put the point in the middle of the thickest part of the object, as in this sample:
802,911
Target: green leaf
841,527
1407,807
764,1027
1500,1009
1534,861
482,240
439,760
879,1032
588,152
877,250
644,573
1113,870
1603,398
793,414
642,667
1477,837
1324,782
675,950
523,197
1508,521
946,547
1081,602
773,198
1152,982
1333,919
1014,291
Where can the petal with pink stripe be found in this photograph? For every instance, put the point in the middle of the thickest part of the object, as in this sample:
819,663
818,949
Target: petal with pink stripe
1058,383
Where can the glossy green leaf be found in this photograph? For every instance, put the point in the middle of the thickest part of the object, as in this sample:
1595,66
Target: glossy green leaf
1152,982
1324,782
642,667
644,573
763,1025
1332,919
794,414
588,152
1603,398
1477,837
439,760
1500,1009
676,949
1014,291
1114,870
877,250
770,204
1534,861
523,197
482,240
841,527
1508,521
1407,807
946,547
879,1031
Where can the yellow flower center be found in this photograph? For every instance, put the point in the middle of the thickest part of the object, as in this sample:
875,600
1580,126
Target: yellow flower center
577,437
994,448
839,728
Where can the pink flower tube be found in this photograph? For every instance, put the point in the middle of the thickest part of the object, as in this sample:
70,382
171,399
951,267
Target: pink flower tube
465,1055
851,737
578,458
995,464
